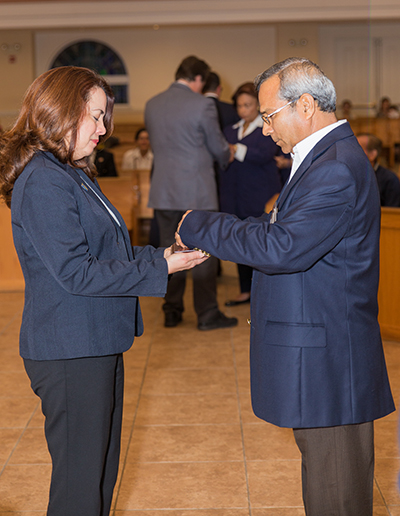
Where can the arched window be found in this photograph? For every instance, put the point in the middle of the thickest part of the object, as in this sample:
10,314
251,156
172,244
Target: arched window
101,58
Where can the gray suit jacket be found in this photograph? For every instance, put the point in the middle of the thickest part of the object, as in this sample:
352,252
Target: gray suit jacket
186,139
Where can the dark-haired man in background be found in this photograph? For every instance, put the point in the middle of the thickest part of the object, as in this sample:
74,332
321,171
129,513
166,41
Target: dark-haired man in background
186,139
227,114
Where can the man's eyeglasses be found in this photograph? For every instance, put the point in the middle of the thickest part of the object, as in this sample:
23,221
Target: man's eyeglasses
267,118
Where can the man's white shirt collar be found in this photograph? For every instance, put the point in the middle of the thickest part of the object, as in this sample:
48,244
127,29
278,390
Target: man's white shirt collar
301,150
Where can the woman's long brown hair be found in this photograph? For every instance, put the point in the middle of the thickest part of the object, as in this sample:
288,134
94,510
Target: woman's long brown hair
51,112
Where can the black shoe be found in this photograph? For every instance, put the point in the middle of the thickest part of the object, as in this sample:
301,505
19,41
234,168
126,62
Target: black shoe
232,302
219,321
172,319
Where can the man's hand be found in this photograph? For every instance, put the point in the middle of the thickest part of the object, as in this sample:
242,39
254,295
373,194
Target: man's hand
232,151
178,239
178,261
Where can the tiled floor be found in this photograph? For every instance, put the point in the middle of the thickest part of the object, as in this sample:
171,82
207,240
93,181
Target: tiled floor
191,444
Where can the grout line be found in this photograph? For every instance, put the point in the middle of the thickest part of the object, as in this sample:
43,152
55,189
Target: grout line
383,498
10,322
19,440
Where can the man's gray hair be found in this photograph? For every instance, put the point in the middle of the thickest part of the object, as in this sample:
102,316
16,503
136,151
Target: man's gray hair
298,75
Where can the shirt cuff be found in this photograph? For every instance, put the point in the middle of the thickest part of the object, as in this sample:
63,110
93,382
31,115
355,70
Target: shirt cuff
241,151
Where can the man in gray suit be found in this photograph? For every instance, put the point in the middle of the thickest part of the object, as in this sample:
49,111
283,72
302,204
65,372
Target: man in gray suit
186,139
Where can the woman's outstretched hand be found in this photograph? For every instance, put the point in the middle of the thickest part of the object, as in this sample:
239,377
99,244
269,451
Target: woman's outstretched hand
180,259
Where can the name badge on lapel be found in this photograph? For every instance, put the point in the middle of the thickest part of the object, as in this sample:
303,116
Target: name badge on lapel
274,214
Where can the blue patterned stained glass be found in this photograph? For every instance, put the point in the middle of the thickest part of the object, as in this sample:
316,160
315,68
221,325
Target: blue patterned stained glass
96,56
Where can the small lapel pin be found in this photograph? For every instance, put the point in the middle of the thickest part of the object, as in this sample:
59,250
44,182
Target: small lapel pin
84,187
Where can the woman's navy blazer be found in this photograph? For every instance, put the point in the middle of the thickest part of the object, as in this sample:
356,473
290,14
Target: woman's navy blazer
315,347
82,276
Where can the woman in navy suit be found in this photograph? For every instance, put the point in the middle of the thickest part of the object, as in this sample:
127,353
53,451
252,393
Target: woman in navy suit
253,177
82,281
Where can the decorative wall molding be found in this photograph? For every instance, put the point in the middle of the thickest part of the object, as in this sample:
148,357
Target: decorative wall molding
52,14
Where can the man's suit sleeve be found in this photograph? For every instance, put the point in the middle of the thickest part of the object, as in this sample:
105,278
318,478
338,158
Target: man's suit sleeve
215,140
308,229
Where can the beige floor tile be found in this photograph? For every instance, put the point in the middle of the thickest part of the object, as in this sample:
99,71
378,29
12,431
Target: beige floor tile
133,382
190,381
386,475
377,496
394,510
263,441
183,512
189,409
186,443
16,412
246,410
37,420
282,511
136,358
186,334
14,384
199,407
381,511
10,360
25,488
242,357
386,439
31,449
8,439
201,356
243,379
275,483
183,485
130,409
24,513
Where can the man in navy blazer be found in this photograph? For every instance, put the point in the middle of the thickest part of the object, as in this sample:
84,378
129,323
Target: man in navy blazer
317,363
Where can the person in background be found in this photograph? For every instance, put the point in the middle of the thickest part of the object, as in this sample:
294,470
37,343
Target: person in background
346,110
252,178
393,112
186,139
104,162
388,182
316,355
141,157
227,114
384,107
82,281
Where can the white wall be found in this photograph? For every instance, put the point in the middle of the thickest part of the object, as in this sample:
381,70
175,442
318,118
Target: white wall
236,53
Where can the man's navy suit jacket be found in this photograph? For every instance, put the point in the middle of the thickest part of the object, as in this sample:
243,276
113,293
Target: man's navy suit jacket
82,277
316,352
